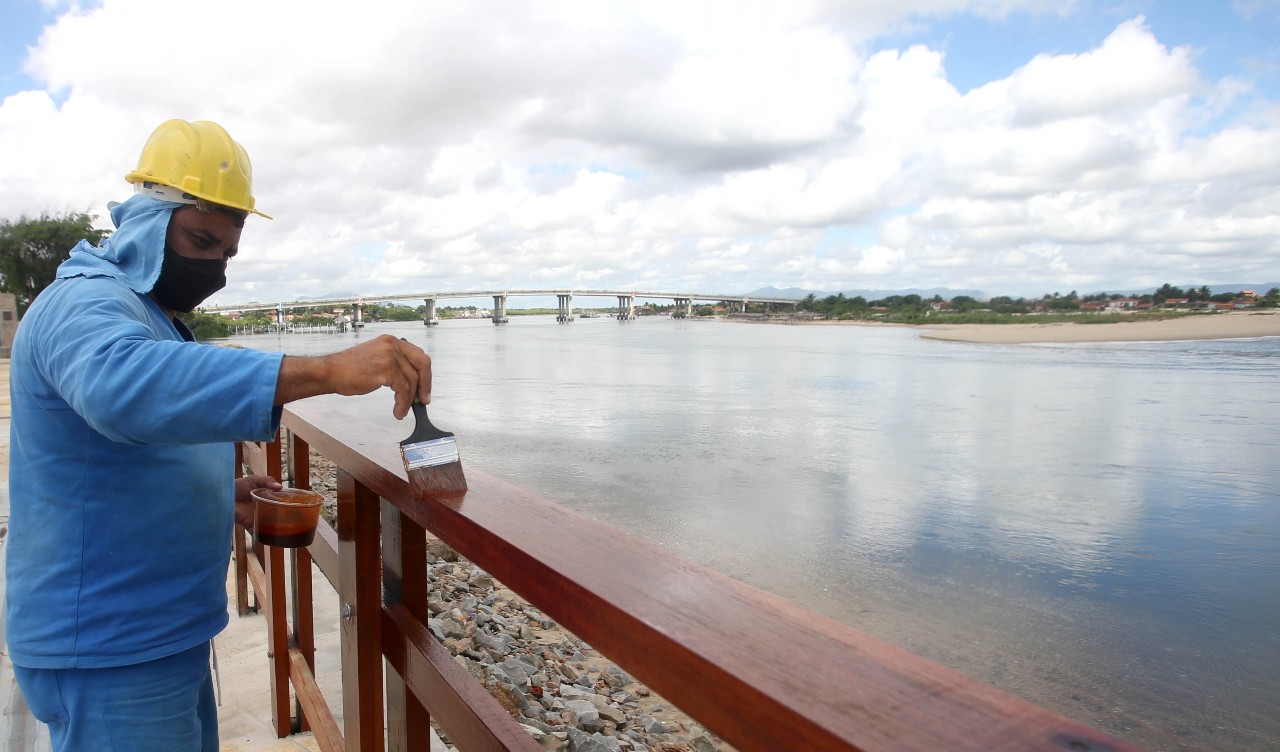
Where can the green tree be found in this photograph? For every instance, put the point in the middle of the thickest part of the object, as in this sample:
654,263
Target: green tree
1167,291
32,249
206,325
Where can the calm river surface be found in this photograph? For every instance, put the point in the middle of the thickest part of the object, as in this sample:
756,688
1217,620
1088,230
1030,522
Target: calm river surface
1095,528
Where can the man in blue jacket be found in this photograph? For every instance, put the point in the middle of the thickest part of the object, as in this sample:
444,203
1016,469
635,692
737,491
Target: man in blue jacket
121,488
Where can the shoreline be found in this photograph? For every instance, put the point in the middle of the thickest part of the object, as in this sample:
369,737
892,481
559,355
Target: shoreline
1235,325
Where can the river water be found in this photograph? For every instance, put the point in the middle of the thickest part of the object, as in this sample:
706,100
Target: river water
1095,528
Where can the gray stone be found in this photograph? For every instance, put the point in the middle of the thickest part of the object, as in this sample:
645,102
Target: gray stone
500,644
613,713
533,731
572,692
518,671
702,743
584,715
453,628
580,742
655,726
613,670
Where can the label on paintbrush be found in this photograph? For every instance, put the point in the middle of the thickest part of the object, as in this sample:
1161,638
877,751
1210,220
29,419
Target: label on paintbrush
430,453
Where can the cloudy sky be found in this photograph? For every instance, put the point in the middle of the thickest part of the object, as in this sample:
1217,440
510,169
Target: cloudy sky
1012,146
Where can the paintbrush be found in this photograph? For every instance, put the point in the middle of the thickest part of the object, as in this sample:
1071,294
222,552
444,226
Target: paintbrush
431,458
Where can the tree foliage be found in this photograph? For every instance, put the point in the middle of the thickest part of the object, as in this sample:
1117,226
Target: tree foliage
207,325
1163,302
32,249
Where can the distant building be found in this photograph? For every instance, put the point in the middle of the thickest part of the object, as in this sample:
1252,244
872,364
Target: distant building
8,322
1123,304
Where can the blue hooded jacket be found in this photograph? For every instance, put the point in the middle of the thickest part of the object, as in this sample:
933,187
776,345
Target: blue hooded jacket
121,464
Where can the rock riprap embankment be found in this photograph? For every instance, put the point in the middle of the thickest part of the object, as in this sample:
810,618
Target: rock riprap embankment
564,693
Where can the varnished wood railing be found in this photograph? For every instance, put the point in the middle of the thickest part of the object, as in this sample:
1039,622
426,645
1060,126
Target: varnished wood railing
707,643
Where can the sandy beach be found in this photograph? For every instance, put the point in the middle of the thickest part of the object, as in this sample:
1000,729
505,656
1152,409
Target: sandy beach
1210,326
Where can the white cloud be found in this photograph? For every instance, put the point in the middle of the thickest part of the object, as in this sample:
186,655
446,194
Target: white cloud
695,145
1130,72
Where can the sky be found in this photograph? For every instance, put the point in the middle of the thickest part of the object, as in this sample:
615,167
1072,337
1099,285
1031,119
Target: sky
1016,147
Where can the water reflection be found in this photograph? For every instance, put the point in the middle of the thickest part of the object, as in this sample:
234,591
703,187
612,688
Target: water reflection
1092,527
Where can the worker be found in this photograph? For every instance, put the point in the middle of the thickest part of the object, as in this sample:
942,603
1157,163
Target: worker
122,492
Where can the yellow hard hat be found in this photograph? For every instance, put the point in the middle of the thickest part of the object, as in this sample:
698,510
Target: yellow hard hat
185,161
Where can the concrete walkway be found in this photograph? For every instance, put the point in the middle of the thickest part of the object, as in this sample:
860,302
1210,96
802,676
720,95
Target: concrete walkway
244,721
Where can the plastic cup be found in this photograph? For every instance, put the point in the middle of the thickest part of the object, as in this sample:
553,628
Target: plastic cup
286,518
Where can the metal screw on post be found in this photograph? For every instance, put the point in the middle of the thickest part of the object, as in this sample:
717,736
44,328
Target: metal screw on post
347,613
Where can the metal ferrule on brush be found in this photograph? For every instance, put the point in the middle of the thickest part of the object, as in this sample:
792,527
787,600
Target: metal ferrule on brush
430,453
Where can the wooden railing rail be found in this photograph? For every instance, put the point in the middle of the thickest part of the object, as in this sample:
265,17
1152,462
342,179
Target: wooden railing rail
762,673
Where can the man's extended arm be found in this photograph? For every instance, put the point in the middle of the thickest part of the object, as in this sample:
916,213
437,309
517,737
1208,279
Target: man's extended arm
384,361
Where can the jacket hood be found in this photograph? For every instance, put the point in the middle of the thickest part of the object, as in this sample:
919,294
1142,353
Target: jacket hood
133,253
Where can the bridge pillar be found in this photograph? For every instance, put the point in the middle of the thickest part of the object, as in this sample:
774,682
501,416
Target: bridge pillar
280,316
359,322
566,309
429,318
499,309
744,305
626,307
683,308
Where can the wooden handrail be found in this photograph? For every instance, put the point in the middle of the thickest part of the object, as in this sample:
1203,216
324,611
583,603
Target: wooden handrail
707,643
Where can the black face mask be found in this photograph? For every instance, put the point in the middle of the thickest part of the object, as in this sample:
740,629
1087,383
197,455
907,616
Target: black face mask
184,283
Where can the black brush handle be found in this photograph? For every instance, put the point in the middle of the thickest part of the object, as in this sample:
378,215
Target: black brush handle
423,430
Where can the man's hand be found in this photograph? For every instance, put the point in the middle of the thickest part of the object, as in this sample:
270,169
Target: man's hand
384,361
244,502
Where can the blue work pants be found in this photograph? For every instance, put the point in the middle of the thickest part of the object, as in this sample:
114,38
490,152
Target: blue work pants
165,705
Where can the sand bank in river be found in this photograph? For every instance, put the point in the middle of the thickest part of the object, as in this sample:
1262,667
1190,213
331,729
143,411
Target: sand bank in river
1210,326
1234,325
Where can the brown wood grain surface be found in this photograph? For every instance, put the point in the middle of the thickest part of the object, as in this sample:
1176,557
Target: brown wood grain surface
324,728
759,671
277,640
360,596
298,473
404,581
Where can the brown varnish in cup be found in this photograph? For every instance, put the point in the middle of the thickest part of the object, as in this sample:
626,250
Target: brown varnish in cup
286,518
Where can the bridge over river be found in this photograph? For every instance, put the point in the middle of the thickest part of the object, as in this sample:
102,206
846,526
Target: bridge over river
626,302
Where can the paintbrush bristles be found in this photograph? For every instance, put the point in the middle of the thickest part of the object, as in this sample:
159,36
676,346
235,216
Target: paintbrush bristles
441,480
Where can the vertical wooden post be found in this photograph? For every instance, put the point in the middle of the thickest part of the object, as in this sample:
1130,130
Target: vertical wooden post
238,549
404,580
299,470
278,641
360,604
274,466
